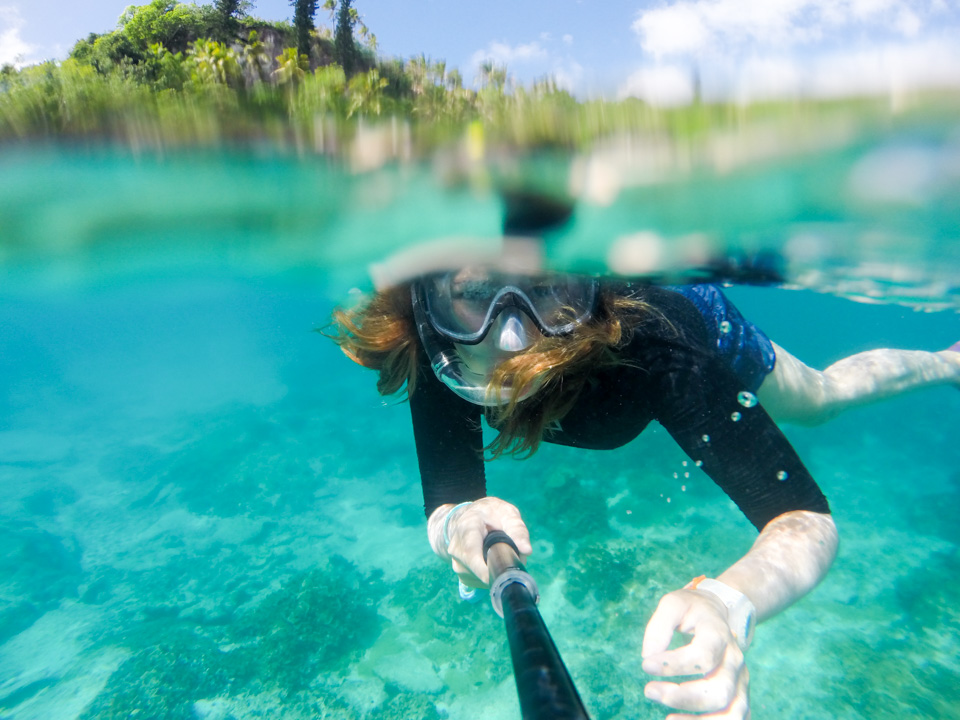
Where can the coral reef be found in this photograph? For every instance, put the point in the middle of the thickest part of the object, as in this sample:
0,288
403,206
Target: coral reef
37,570
403,704
602,571
570,506
161,682
316,623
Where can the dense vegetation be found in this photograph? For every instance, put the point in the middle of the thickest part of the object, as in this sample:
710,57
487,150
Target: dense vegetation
175,72
181,73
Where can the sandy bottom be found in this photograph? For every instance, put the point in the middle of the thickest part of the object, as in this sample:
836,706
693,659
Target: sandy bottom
206,513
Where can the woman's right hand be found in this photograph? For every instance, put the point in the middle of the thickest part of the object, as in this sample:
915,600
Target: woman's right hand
466,529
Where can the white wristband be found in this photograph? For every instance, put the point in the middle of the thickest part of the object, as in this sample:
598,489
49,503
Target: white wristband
446,522
741,613
435,532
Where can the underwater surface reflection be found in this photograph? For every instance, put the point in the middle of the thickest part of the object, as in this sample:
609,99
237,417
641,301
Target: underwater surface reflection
207,512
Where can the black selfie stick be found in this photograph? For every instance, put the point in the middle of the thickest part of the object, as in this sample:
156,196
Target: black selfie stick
543,683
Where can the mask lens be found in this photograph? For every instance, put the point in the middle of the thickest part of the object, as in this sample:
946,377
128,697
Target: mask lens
559,301
470,301
463,305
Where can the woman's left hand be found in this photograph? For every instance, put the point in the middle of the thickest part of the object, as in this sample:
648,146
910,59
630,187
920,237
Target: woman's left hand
712,652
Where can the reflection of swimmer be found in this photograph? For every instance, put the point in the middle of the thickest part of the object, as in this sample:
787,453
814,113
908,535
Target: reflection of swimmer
589,363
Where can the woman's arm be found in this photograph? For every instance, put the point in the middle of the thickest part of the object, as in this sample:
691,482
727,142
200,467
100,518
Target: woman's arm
791,555
449,442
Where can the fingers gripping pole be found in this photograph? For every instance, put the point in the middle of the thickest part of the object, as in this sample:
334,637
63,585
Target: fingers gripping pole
544,686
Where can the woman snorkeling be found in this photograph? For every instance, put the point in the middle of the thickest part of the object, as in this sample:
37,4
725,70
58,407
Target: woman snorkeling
590,363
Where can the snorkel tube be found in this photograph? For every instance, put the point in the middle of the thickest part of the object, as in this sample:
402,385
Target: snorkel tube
543,684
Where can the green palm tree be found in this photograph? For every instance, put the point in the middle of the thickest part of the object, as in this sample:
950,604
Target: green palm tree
291,67
366,93
493,75
255,57
417,68
215,64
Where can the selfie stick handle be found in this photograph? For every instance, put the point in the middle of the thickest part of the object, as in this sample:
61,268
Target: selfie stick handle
543,684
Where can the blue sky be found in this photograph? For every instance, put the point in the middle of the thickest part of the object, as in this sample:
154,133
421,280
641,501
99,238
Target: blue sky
648,48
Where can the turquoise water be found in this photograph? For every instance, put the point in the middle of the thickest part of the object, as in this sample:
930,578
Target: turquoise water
207,512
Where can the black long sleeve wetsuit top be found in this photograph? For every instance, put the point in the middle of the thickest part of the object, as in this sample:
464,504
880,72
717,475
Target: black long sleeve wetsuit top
672,374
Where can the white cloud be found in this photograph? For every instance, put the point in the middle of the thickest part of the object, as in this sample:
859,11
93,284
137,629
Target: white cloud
661,85
13,49
568,39
535,60
699,26
907,23
672,30
505,54
887,69
568,74
768,77
752,49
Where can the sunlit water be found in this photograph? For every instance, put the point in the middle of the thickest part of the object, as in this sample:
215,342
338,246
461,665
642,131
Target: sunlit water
206,511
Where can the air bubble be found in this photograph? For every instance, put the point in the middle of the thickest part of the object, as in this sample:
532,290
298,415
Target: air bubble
725,327
747,399
684,463
782,475
698,463
705,438
735,416
686,474
675,475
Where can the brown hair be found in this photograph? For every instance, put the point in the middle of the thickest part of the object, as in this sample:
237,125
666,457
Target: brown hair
381,334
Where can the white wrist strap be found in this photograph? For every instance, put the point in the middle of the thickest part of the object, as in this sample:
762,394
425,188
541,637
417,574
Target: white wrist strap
741,613
446,522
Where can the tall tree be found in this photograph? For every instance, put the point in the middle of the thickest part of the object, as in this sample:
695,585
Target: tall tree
228,14
303,14
348,55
